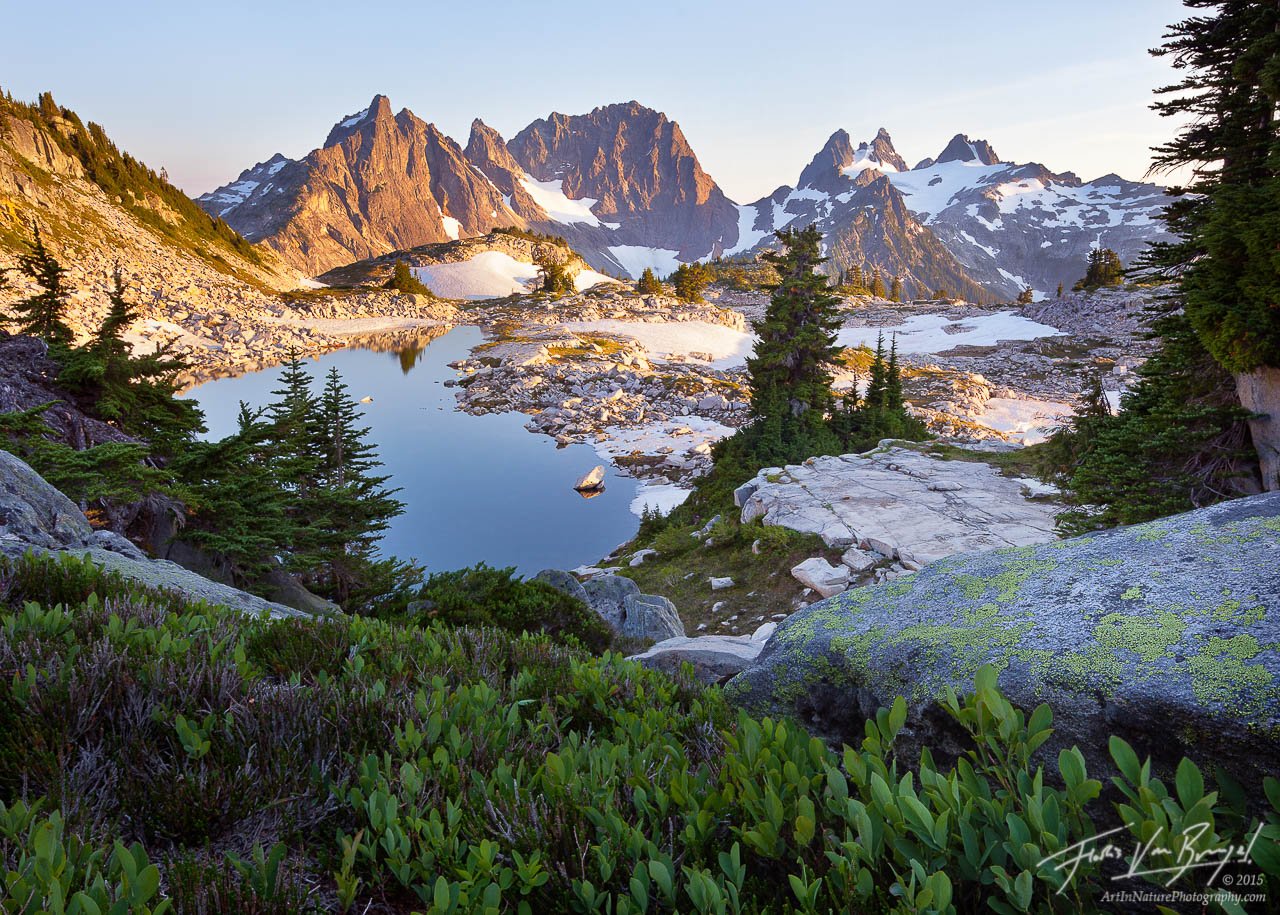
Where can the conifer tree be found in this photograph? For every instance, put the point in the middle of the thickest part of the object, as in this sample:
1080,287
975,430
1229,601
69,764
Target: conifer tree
1059,290
893,399
790,372
877,285
649,284
1228,219
135,393
895,290
878,381
351,503
41,314
295,438
856,279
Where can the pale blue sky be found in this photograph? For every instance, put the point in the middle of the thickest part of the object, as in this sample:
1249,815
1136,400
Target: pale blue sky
207,89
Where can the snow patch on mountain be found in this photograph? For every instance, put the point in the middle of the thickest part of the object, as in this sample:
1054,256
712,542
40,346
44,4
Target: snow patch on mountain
559,206
636,258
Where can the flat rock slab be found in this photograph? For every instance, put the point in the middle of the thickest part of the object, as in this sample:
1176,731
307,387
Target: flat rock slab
714,657
1166,633
900,503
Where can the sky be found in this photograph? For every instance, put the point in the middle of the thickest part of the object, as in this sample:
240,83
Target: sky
208,89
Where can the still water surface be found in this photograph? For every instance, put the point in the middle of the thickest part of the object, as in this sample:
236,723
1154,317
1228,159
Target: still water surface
476,488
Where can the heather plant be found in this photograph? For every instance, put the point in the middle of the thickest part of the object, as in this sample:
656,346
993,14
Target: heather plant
180,754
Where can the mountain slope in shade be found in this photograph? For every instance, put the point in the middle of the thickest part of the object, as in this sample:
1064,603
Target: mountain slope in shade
1014,225
381,182
865,222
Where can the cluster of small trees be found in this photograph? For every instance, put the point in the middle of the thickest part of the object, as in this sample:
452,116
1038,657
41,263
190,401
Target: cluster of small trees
690,280
1103,269
856,281
296,485
795,412
555,276
403,280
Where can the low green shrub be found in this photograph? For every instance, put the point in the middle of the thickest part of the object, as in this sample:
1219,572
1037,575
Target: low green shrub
469,770
483,596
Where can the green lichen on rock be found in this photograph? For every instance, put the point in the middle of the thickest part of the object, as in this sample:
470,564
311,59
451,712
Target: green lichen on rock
1166,629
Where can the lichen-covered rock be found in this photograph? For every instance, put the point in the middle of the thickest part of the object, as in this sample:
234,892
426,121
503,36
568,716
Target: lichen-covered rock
1165,633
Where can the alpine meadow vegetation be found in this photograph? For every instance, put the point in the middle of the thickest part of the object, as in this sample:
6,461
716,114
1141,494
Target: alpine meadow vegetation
161,756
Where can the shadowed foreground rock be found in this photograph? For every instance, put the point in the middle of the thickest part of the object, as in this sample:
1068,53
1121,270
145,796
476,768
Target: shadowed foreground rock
36,517
1165,633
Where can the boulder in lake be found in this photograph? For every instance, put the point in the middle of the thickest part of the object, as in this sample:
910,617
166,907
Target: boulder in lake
1166,633
592,481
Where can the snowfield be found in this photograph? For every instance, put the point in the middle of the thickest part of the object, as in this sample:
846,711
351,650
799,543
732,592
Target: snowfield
715,344
659,497
551,197
635,258
1027,421
938,333
492,274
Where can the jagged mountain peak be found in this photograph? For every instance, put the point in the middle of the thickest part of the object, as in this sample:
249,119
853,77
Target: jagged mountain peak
378,109
880,150
962,149
838,162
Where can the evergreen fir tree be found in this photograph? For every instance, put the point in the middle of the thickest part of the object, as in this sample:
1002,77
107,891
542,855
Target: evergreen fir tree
877,285
649,284
1181,439
351,502
134,393
893,400
239,507
295,437
790,372
878,381
41,315
1229,222
895,290
856,279
1026,296
689,281
1059,290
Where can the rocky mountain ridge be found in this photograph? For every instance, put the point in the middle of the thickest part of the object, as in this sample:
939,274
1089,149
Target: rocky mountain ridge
623,185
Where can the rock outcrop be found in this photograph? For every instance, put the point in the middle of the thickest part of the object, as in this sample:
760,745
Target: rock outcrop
899,502
1165,633
618,601
38,518
381,182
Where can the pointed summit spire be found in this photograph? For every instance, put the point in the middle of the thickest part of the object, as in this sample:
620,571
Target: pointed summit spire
962,149
379,108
